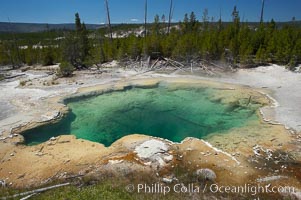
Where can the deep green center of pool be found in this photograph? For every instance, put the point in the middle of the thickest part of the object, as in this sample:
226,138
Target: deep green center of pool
172,114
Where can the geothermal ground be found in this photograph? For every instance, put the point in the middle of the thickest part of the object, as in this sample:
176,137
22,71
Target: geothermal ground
267,151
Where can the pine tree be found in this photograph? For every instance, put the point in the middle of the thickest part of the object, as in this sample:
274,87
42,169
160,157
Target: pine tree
245,45
163,19
234,31
78,25
76,45
185,24
156,25
205,19
192,22
47,56
84,44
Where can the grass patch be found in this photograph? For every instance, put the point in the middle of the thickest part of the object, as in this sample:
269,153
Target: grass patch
107,191
115,189
102,191
109,187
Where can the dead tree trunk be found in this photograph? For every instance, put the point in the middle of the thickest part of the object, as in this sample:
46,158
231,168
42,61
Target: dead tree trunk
145,27
36,191
170,16
109,20
145,19
262,10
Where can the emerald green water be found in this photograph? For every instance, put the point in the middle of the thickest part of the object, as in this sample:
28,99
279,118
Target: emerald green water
161,112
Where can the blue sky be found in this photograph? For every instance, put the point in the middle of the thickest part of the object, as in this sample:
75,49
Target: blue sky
125,11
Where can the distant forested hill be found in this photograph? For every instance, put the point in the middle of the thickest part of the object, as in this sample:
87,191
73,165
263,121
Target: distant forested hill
32,27
6,27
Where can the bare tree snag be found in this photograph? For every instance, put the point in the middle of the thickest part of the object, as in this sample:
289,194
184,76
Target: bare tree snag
109,20
262,10
170,16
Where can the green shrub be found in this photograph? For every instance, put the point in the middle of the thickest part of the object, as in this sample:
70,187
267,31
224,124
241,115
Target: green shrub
66,69
23,83
48,58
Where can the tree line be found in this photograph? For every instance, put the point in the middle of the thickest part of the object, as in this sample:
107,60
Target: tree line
238,43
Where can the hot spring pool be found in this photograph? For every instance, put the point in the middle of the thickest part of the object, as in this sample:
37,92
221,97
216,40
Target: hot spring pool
172,114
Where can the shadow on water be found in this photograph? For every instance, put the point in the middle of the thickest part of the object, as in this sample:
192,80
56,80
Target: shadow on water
45,132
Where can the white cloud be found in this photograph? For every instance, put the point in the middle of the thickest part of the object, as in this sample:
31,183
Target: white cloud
134,20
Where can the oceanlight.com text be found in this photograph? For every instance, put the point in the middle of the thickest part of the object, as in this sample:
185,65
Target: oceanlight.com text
158,188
